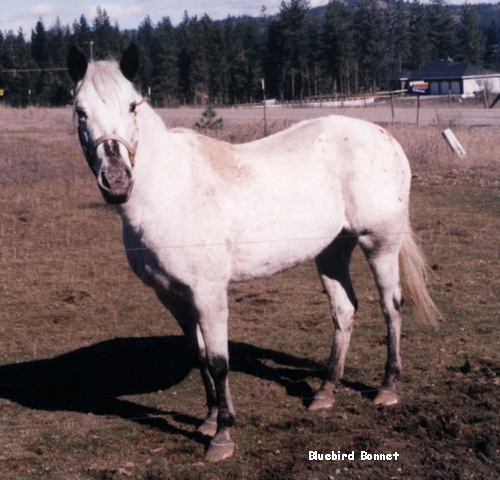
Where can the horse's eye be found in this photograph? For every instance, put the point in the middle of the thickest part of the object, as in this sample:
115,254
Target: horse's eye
80,112
133,106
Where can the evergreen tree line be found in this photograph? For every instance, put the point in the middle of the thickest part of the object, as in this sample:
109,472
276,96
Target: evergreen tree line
337,50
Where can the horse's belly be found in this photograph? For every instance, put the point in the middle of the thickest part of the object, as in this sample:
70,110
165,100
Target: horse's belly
256,256
259,262
279,230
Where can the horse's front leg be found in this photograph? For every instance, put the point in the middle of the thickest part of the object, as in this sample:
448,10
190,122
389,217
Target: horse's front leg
182,307
209,425
211,303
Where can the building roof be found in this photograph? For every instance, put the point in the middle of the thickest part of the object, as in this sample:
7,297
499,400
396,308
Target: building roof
448,69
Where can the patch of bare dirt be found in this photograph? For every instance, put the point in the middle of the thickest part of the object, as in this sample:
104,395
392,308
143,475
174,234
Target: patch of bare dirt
95,382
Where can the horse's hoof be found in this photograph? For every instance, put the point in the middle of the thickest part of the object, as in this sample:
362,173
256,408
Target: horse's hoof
321,402
216,453
385,398
208,428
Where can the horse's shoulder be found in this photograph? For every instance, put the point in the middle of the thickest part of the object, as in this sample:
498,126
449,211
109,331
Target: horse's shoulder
222,157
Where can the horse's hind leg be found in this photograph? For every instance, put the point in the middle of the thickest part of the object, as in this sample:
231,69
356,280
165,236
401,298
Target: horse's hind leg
333,268
382,255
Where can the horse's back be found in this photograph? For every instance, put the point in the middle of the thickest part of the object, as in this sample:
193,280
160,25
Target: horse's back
345,145
359,160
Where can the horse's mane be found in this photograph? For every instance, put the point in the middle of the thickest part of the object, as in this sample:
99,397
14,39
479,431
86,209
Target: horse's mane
108,82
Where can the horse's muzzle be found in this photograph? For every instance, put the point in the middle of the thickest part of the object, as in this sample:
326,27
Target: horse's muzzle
115,183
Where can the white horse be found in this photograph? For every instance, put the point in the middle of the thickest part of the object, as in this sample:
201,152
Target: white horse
199,213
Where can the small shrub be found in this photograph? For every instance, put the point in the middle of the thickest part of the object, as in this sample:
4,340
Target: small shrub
209,121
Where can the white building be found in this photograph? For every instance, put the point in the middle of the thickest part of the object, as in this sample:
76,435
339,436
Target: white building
458,78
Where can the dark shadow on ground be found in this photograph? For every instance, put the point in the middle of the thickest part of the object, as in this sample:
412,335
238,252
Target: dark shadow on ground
287,370
367,391
93,379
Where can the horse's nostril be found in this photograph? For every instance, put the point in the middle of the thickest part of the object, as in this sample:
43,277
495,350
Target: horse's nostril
104,180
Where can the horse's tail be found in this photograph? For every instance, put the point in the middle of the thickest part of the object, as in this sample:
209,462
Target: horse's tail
413,272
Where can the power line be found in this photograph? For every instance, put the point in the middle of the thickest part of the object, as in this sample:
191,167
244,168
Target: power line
30,70
9,252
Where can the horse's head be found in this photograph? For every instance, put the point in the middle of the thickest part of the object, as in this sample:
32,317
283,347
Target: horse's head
105,107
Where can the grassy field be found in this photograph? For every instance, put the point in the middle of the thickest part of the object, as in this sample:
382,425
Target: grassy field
94,379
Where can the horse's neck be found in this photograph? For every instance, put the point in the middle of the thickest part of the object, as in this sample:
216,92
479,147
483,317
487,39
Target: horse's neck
155,144
150,125
158,172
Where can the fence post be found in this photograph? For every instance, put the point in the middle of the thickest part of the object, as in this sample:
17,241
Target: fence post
392,107
418,109
453,142
264,102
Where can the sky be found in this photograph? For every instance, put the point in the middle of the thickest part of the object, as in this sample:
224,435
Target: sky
127,13
15,14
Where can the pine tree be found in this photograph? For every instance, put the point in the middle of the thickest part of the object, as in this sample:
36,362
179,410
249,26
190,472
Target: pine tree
399,35
193,60
40,45
442,33
419,36
2,61
313,83
58,91
337,45
370,44
237,63
164,57
82,34
19,83
215,57
41,56
288,48
107,38
491,47
145,40
469,36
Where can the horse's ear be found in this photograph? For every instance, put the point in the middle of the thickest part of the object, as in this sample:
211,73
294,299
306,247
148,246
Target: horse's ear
129,64
77,64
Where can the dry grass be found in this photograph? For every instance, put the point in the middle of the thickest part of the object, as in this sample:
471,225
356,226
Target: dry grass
426,147
94,382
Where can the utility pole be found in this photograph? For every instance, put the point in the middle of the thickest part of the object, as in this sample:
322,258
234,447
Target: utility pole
91,46
264,104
